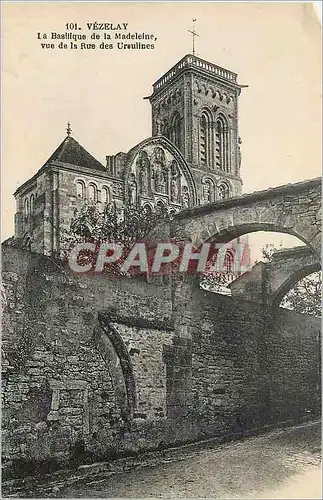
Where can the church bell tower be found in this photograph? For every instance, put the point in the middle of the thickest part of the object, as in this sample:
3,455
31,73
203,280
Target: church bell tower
195,105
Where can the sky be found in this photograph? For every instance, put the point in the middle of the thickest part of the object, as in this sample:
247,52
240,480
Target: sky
274,48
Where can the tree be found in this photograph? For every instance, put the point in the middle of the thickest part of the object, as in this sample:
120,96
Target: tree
305,297
124,225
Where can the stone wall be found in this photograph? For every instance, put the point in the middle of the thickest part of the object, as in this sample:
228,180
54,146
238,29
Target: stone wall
248,363
64,390
293,356
96,367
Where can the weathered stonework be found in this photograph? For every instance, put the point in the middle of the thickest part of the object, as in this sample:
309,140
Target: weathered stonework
267,283
94,368
178,167
294,209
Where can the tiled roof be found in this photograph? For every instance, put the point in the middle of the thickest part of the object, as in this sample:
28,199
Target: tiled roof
70,151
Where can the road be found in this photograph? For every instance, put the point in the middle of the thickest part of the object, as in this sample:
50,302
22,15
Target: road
281,464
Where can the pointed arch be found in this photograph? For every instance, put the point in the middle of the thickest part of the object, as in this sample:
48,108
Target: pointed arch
147,208
229,260
206,138
175,132
27,241
161,206
82,228
222,153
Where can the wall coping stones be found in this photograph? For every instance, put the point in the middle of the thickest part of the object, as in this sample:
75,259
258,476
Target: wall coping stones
248,198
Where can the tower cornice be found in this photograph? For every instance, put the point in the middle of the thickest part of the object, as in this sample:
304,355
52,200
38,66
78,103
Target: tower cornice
196,65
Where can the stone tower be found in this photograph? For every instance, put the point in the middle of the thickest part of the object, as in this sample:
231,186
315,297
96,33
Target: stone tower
192,158
195,105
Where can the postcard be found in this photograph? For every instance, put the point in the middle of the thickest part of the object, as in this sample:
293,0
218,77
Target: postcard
161,240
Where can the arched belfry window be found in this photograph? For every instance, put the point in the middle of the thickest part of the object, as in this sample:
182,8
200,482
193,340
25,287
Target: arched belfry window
222,144
208,190
223,191
176,130
206,139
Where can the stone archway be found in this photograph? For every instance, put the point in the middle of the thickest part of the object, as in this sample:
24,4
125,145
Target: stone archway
286,269
292,208
268,282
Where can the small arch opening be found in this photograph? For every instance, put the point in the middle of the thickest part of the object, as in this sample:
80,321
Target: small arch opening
105,195
80,190
160,207
92,193
208,191
26,208
224,191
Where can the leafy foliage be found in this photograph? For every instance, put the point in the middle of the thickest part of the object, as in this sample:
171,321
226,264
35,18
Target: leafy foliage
125,225
268,250
305,297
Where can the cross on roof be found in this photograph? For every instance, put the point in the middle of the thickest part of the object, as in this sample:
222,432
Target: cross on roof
68,130
194,34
